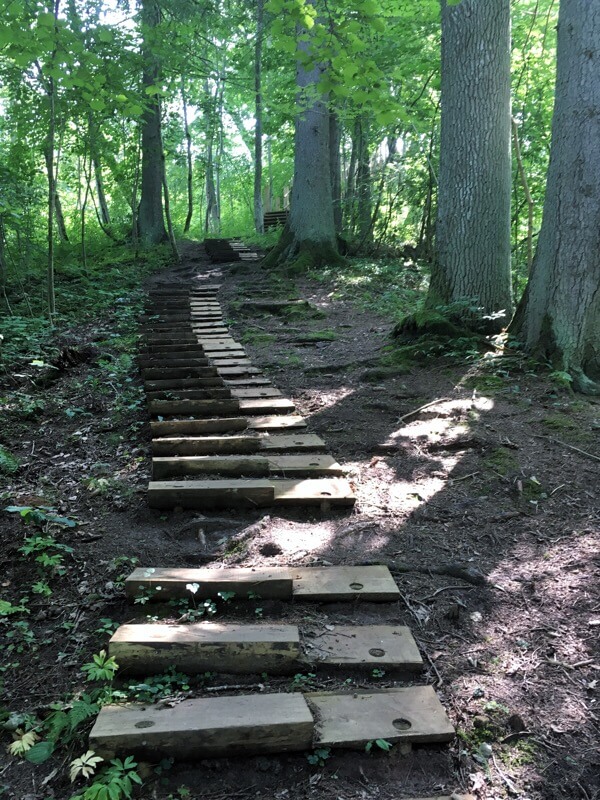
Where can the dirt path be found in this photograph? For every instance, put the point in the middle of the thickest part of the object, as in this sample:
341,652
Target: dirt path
482,478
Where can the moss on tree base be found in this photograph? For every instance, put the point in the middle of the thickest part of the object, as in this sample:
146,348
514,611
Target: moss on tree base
299,256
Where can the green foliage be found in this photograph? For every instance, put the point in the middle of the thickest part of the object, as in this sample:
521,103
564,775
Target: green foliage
115,782
8,462
101,668
379,744
319,756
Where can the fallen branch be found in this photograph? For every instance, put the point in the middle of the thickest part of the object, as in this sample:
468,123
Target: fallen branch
422,408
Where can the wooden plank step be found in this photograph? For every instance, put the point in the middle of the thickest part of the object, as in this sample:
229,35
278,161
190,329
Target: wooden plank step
279,649
222,354
199,427
206,646
233,445
169,373
240,492
231,362
191,351
300,442
205,727
250,492
248,381
324,584
209,393
389,646
158,361
269,391
414,714
202,407
242,465
324,492
270,584
260,405
183,383
206,445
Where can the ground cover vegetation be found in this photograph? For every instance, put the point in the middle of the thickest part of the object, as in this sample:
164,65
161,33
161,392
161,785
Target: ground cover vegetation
415,228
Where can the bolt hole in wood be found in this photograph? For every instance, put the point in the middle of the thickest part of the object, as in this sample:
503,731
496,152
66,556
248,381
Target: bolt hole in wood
145,723
356,586
402,724
376,652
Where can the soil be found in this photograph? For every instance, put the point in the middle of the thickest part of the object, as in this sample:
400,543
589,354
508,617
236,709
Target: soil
485,504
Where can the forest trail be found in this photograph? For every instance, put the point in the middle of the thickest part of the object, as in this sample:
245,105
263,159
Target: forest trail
221,427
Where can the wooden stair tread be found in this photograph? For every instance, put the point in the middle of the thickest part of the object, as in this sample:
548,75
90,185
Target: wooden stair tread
284,583
413,714
261,465
249,648
206,646
205,727
259,492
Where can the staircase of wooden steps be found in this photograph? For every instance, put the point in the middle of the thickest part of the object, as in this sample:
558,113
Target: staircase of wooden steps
268,722
222,434
222,251
271,219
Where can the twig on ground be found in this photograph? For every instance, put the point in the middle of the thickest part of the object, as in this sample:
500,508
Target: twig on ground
569,447
422,408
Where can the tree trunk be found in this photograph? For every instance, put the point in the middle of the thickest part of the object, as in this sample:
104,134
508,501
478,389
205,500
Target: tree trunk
308,239
190,172
473,226
363,183
335,169
258,115
151,223
559,315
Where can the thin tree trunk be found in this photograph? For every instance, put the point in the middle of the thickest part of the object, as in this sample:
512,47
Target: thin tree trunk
190,174
473,225
258,115
350,196
334,169
363,183
526,192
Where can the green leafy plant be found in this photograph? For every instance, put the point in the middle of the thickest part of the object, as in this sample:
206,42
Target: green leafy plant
40,516
101,668
319,756
84,766
115,782
381,744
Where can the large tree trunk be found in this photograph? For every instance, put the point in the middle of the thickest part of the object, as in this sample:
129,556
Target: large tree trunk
559,315
151,223
308,239
473,225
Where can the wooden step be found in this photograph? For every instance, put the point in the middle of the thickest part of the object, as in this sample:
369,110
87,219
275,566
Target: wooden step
199,427
209,393
171,362
219,407
206,646
245,465
318,584
245,394
148,649
248,381
168,583
326,584
246,492
203,728
231,362
206,445
169,373
233,445
391,647
413,715
183,383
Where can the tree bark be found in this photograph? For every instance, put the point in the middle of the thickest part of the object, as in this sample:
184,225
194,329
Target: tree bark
308,239
258,115
190,172
473,225
335,169
559,315
151,223
363,183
